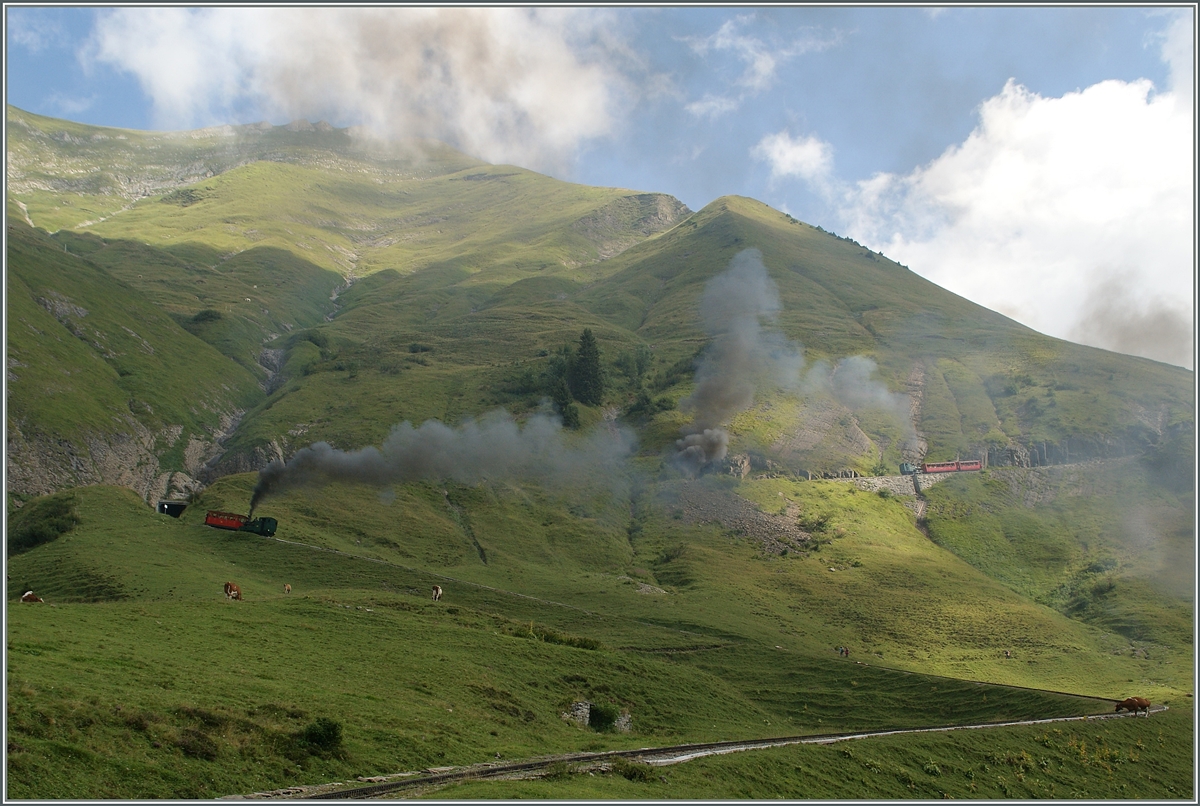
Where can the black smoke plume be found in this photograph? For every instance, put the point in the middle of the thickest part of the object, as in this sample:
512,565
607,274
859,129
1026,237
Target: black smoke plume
494,447
741,357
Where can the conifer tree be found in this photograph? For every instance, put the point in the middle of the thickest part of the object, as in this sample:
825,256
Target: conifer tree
561,397
587,377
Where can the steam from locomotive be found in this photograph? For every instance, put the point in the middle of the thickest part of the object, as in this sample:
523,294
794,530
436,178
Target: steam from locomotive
494,447
741,356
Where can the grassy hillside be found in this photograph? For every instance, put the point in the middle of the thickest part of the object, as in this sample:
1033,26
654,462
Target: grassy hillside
103,385
1109,544
114,693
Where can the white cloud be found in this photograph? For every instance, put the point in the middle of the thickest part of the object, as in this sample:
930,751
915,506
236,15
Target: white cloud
31,29
762,60
524,85
1073,215
69,106
711,106
808,158
1178,51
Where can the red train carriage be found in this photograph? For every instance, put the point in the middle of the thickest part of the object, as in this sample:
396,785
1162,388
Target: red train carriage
952,467
225,520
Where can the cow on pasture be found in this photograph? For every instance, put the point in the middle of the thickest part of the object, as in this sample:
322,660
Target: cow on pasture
232,591
1134,704
437,593
29,596
287,588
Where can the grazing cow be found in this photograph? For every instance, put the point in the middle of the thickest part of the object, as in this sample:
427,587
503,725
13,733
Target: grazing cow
437,593
1134,704
29,596
232,591
287,588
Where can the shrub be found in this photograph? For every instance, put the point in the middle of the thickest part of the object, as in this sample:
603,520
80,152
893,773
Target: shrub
41,521
814,523
633,770
602,717
559,771
207,315
323,734
197,744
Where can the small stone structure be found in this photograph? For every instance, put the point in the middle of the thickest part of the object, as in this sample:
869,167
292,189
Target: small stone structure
580,713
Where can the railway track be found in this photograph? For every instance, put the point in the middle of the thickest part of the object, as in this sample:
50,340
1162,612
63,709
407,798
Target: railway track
657,756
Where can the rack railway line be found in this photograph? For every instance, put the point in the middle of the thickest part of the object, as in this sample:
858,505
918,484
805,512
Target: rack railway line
656,756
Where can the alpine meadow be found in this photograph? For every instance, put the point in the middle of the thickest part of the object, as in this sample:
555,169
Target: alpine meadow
671,470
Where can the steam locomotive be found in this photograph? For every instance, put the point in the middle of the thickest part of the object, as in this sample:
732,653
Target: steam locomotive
240,523
907,469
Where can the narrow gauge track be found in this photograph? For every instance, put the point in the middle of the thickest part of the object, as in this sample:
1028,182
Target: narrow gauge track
660,756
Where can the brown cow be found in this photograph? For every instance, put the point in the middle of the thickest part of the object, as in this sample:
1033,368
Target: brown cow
287,588
232,591
1134,704
437,593
29,596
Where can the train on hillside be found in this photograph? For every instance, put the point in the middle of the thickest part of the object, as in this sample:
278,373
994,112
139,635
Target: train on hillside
956,466
240,523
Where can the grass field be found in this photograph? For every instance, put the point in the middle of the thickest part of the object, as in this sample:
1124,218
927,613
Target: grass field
138,679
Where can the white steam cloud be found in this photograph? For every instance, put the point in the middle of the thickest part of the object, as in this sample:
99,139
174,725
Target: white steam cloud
745,355
741,357
521,85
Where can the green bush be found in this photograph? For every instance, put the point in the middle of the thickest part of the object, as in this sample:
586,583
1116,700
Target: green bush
324,735
602,717
636,771
41,521
208,315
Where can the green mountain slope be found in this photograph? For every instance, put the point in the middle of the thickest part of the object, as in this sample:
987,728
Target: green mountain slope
103,386
184,308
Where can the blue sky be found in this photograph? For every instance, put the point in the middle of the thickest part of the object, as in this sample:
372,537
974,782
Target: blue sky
1036,160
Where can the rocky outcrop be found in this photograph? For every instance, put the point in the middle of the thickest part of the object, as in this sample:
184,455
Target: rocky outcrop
774,534
37,465
627,221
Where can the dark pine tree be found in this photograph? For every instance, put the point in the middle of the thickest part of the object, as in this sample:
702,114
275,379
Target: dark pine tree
586,377
562,401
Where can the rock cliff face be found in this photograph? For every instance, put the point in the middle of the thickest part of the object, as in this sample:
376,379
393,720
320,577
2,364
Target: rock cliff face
628,221
123,458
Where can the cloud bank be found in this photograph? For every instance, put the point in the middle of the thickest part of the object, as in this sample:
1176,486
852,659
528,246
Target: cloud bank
1073,215
522,85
